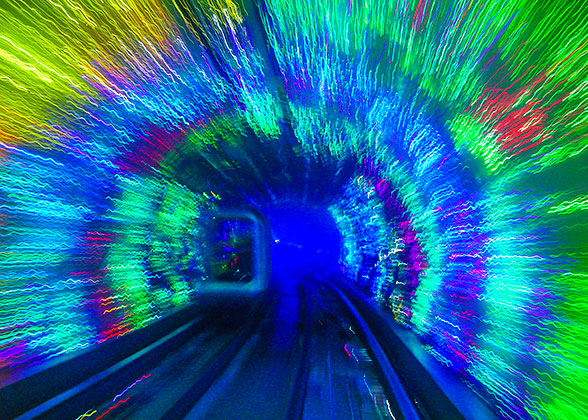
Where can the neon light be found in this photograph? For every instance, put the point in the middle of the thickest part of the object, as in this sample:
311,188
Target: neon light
112,408
130,386
449,138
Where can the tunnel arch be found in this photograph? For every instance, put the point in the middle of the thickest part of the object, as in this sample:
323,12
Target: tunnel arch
455,145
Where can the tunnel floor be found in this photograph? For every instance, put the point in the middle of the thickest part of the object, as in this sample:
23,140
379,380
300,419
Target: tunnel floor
298,356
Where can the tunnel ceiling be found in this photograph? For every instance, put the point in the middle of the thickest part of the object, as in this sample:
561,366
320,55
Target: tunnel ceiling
447,139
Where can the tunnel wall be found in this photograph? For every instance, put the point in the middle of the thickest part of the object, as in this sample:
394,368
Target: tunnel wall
449,139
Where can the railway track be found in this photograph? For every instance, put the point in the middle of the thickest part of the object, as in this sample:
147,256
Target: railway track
306,353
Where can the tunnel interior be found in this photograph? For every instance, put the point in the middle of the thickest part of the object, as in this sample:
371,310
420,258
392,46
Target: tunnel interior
432,154
305,241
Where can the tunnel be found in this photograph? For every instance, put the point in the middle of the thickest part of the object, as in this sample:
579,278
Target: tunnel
304,209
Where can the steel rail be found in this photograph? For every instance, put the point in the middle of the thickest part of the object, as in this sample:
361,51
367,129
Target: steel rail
393,381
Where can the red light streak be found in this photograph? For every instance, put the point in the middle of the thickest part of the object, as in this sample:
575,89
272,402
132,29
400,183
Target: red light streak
113,407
